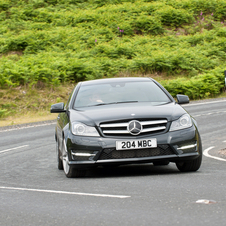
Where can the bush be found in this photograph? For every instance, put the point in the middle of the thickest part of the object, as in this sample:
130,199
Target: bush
198,87
147,24
54,41
170,16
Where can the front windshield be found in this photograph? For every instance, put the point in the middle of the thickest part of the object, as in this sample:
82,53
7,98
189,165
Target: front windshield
120,92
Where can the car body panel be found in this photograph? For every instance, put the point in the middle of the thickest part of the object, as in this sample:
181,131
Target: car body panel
92,116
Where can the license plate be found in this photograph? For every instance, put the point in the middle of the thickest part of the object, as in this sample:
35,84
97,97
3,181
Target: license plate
136,144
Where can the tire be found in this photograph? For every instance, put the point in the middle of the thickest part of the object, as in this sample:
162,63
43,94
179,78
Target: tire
69,171
192,165
161,163
59,161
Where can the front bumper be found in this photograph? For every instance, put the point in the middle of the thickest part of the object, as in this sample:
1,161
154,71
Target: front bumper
174,146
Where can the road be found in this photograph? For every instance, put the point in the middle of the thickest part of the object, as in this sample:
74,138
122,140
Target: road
34,192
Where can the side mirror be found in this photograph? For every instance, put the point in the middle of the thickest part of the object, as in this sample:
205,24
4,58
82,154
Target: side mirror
182,99
57,108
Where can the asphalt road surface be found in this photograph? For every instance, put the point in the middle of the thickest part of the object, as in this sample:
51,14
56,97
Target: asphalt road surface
34,192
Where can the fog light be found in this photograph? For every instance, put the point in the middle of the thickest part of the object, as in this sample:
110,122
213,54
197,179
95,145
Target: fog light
83,154
187,147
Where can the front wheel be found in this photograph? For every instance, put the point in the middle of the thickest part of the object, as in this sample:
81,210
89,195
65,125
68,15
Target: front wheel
69,171
189,166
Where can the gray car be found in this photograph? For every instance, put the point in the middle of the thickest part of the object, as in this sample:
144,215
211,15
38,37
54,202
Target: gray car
118,121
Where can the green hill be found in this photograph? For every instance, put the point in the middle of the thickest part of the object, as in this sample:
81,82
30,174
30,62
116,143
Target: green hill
181,43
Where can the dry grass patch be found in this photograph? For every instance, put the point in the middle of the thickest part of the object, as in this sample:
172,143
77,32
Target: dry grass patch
24,105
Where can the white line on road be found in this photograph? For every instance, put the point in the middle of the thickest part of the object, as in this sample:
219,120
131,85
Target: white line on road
224,141
210,113
27,127
66,192
210,102
210,156
11,149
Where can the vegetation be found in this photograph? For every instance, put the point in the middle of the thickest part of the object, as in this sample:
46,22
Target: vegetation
24,105
47,43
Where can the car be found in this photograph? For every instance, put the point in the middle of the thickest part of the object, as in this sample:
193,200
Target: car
118,121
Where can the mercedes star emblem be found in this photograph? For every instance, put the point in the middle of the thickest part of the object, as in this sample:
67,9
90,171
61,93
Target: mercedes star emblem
134,127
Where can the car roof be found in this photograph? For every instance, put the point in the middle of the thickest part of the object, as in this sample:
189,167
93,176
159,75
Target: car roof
113,80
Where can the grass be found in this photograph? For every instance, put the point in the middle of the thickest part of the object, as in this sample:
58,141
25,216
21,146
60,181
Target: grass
29,117
222,95
26,105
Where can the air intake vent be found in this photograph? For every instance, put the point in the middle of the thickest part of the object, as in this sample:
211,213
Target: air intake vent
161,150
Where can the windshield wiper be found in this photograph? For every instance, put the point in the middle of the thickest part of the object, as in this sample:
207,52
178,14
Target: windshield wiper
131,101
121,102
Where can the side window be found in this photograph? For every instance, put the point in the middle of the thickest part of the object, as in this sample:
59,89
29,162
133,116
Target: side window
68,101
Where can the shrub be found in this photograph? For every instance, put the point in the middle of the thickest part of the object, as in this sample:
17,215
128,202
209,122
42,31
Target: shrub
198,87
170,16
54,41
147,24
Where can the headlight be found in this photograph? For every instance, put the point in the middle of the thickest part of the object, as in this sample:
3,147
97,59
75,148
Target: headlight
84,130
182,123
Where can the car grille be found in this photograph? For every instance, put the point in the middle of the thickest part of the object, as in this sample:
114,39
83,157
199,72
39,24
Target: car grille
112,153
120,128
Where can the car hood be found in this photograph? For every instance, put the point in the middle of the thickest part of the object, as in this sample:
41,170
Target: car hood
95,115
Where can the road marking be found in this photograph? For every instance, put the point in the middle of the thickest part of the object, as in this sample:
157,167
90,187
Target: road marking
224,141
210,102
206,201
66,192
211,113
210,156
11,149
27,127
